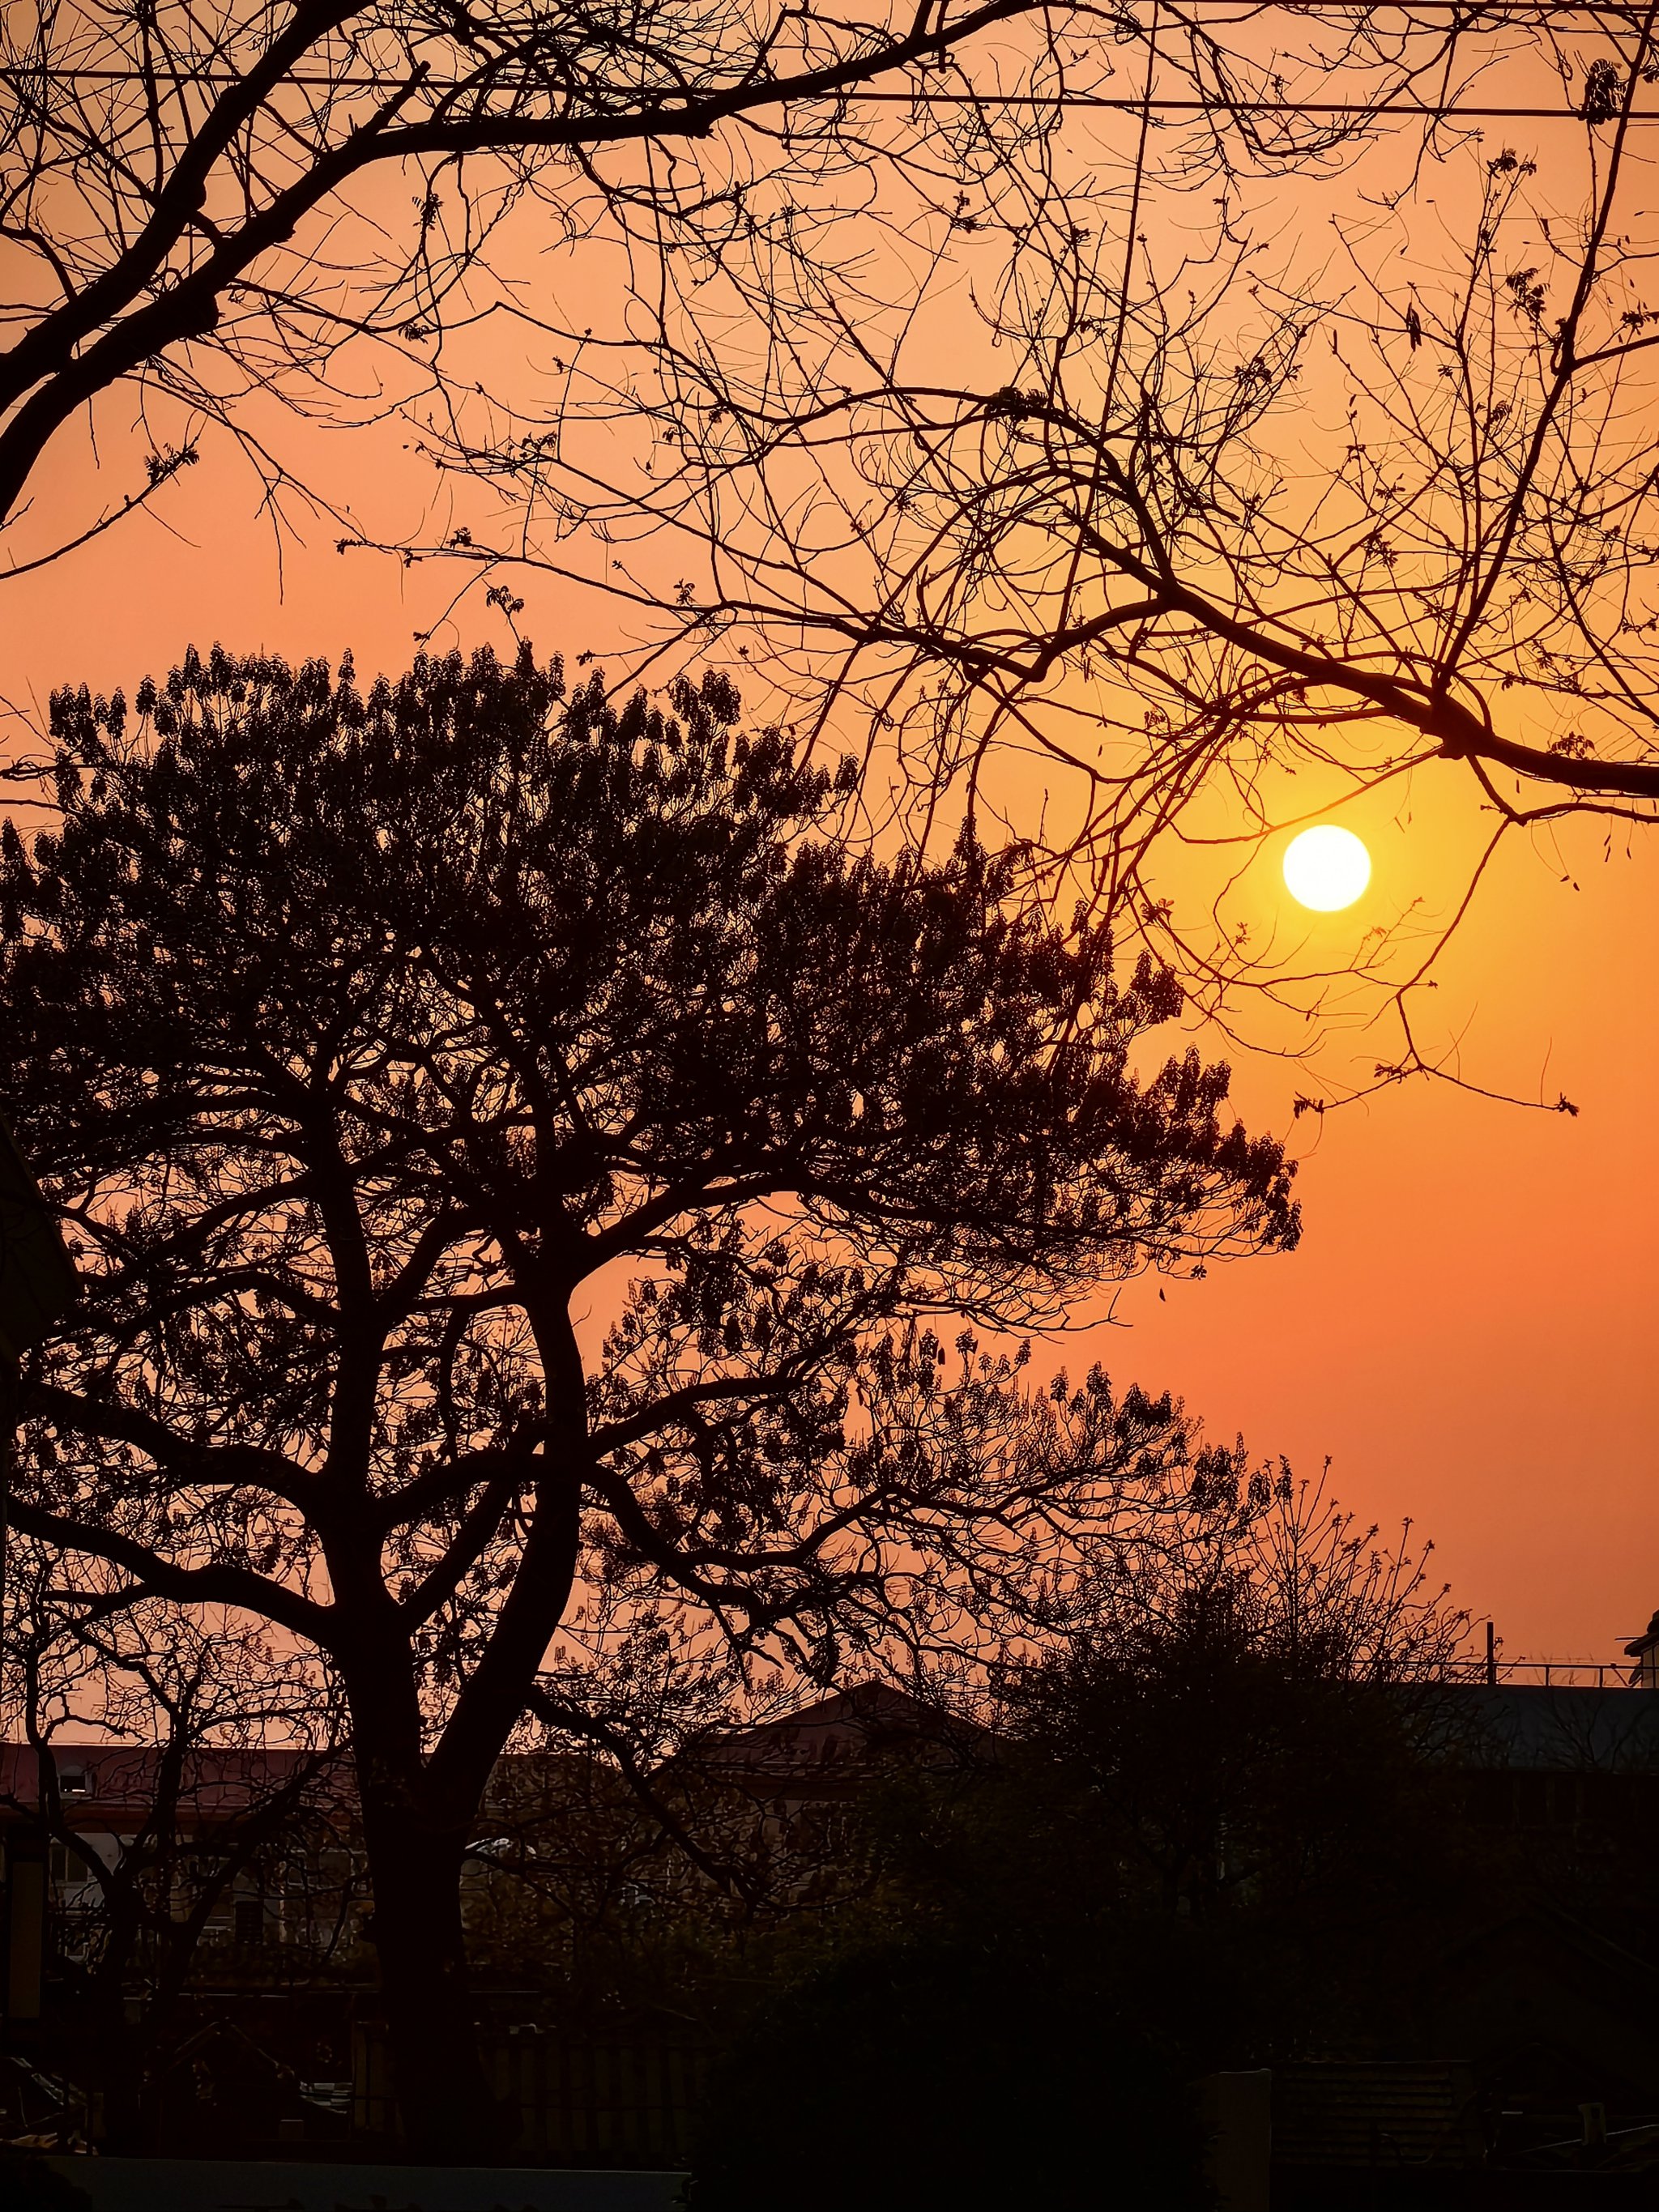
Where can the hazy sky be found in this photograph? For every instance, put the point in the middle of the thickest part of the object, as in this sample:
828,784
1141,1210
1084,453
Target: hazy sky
1466,1330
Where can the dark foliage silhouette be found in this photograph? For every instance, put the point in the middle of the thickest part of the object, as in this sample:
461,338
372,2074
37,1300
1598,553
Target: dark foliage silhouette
369,1042
1207,1828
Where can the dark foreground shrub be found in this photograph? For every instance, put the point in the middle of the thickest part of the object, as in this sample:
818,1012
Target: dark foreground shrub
929,2076
29,2184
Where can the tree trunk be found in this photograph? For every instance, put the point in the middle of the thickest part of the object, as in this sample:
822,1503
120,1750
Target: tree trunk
447,2112
118,2049
121,2073
419,1804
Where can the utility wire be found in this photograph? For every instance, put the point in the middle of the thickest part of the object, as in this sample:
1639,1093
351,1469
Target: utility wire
1475,15
1353,111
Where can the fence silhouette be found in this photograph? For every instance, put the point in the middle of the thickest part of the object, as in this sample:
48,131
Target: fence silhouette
1556,1674
622,2101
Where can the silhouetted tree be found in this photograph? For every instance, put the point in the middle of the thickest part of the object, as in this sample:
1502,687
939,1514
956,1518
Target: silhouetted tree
933,360
1201,1824
369,1042
1243,1728
1228,1764
205,211
1227,509
208,1765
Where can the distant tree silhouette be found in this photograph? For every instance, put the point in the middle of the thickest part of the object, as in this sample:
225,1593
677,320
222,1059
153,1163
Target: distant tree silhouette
369,1042
1219,1708
1199,1831
1227,1757
183,1710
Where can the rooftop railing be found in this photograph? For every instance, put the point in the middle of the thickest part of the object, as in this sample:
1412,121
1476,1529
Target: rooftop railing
1556,1674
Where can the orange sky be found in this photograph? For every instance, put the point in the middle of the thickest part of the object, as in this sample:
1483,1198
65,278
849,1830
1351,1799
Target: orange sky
1467,1329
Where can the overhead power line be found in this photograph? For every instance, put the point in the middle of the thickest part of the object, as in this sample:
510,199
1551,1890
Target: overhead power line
1472,15
1126,104
1425,110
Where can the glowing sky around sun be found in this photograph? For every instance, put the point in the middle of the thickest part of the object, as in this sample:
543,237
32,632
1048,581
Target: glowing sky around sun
1468,1327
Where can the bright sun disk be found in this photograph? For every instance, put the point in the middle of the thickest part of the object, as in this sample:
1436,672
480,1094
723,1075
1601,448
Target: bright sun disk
1326,868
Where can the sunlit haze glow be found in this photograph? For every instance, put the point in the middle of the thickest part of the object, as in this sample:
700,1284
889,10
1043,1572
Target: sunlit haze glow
1467,1325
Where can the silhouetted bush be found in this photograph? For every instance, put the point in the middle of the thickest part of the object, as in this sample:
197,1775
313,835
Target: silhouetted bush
946,2073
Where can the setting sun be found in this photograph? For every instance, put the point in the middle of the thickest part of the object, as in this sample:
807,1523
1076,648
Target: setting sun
1326,868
